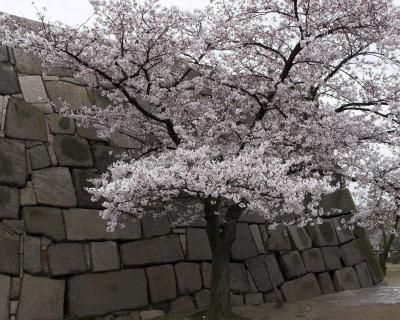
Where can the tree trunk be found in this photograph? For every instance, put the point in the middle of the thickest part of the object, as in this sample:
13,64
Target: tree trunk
387,246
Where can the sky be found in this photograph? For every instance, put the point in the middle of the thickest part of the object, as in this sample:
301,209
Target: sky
74,12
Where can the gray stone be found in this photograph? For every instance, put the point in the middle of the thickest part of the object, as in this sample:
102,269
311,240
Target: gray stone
188,277
27,195
72,151
344,234
80,178
206,274
33,89
9,203
3,54
151,314
364,276
238,278
301,239
41,298
165,249
182,304
32,262
254,299
24,121
9,251
98,99
53,187
59,124
67,258
255,232
90,134
274,269
162,284
39,157
271,296
352,253
15,289
122,140
105,256
237,300
27,62
251,217
155,225
258,270
375,269
243,247
338,202
44,221
252,285
301,288
325,283
5,286
202,299
60,71
86,224
16,226
104,156
198,247
323,234
59,91
346,279
8,80
13,307
313,260
279,240
331,257
13,167
292,265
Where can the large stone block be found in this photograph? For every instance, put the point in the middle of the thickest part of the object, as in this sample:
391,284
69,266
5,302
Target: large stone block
375,269
53,187
198,247
32,263
66,259
104,156
9,203
279,240
41,298
86,224
155,225
90,133
292,265
238,278
188,277
59,124
182,304
313,260
244,246
300,238
338,202
3,54
202,299
346,279
323,234
33,89
122,140
24,121
258,270
343,234
254,299
9,251
165,249
325,283
39,157
302,288
364,275
62,91
353,253
274,269
27,62
8,80
105,256
81,177
44,221
13,167
331,257
162,284
5,287
72,151
206,274
102,293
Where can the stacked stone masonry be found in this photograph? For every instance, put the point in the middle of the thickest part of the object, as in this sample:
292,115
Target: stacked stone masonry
57,260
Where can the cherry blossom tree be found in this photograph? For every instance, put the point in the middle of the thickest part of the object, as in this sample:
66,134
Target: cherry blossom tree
244,106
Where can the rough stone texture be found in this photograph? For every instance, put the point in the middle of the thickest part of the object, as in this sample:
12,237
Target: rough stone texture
155,226
124,141
90,134
9,251
325,283
279,239
301,239
206,274
67,258
375,269
274,269
323,234
24,121
104,156
41,298
15,289
86,224
202,299
8,80
53,187
301,288
292,265
75,96
257,237
165,249
339,200
105,256
237,300
5,287
27,195
33,89
244,246
9,203
182,304
26,62
80,178
253,299
151,314
188,277
364,276
351,253
162,284
13,167
346,279
72,151
16,226
258,270
102,293
238,278
313,260
198,247
32,262
331,257
59,124
44,221
343,234
39,157
3,54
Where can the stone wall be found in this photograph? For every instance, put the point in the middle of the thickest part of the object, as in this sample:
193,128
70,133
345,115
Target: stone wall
57,260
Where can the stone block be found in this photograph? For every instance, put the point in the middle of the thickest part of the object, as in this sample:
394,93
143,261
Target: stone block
59,124
27,62
80,178
24,121
3,54
155,225
188,277
243,247
105,256
165,249
252,285
90,133
39,157
279,240
198,247
103,293
9,251
98,99
62,91
352,252
202,299
8,80
252,217
182,304
72,151
338,202
238,278
323,234
375,269
53,187
151,314
331,257
313,260
270,297
5,287
122,140
9,203
274,269
326,283
343,234
258,270
13,166
301,288
206,274
258,240
27,195
292,265
41,298
105,156
16,226
237,300
364,275
162,284
66,259
87,225
32,262
346,279
15,290
254,299
33,89
300,238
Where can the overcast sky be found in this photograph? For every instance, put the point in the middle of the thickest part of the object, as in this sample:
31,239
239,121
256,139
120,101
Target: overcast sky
73,12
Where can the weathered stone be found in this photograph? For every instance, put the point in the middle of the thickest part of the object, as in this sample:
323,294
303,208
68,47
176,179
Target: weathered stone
39,157
364,276
292,265
3,54
252,285
323,234
279,240
90,134
24,121
343,234
182,304
155,226
271,296
9,251
313,260
188,277
27,195
244,246
32,262
86,224
301,288
165,249
27,62
238,278
105,256
202,299
237,300
16,226
13,167
41,298
352,253
258,270
253,299
8,80
59,91
80,178
255,232
15,289
9,203
59,124
53,187
346,279
301,239
33,89
274,270
198,247
97,98
206,274
5,286
102,293
325,283
151,314
72,151
104,156
331,257
162,284
338,202
60,71
13,307
122,140
249,216
67,258
375,269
